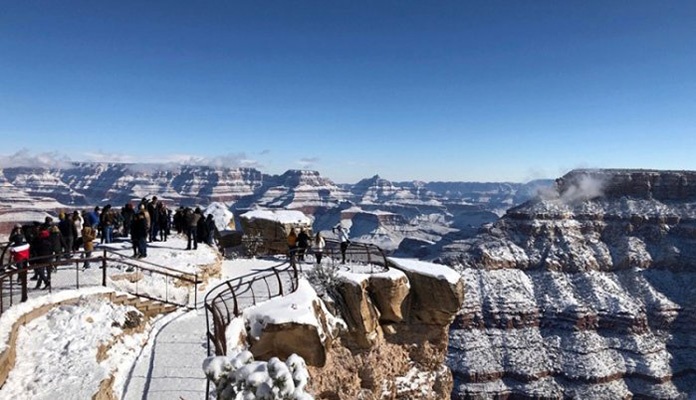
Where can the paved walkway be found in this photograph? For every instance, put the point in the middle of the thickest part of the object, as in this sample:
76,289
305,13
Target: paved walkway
170,366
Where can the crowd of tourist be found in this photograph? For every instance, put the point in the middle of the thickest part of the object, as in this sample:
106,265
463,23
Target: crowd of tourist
150,220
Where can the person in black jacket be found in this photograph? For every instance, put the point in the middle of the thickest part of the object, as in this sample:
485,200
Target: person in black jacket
302,244
139,235
68,233
44,250
212,229
127,212
154,219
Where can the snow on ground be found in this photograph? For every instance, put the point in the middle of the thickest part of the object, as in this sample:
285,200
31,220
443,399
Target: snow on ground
10,316
57,352
168,366
281,216
296,307
170,254
438,271
171,362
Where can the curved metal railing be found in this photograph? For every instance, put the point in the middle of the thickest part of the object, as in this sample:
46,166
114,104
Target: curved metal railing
356,254
228,299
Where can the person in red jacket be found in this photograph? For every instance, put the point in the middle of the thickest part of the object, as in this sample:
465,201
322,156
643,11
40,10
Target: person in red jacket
20,255
19,248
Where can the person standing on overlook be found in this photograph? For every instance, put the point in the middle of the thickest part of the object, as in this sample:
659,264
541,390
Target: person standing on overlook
107,224
44,250
139,234
68,232
302,244
192,219
78,224
88,236
127,212
292,245
154,220
19,249
343,238
318,247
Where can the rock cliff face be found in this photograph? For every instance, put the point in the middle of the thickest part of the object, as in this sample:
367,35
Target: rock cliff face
395,340
585,292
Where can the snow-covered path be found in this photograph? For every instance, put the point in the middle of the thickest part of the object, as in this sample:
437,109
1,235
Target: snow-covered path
170,366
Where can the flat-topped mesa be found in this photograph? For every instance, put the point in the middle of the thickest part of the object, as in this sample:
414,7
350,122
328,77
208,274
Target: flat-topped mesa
632,183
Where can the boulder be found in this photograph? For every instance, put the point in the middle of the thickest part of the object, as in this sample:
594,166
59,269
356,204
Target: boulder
296,323
274,226
388,292
283,340
437,291
358,311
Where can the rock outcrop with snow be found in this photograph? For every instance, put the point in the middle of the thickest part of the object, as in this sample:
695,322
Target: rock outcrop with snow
395,339
585,292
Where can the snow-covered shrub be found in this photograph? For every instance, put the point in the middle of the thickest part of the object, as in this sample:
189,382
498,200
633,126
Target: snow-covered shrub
239,377
323,278
251,243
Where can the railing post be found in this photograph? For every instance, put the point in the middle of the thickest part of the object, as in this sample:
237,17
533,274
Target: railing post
77,273
195,292
166,288
104,269
23,280
280,284
251,289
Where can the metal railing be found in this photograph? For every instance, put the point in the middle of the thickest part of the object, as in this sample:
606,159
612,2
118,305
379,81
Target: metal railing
163,284
359,257
356,252
227,300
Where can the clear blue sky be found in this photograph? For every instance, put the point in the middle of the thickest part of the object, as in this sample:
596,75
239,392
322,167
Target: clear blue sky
409,90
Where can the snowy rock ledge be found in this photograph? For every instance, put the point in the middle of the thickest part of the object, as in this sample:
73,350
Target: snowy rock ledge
397,333
298,323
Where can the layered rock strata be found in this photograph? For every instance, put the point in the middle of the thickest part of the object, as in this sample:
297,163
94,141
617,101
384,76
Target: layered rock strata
395,341
586,292
392,339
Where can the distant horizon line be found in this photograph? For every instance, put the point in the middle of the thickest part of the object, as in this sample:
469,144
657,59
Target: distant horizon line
153,166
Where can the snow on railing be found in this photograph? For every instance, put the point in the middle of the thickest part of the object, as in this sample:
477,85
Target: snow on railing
227,300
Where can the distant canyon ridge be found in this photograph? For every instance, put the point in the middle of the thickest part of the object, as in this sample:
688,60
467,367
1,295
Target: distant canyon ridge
416,214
